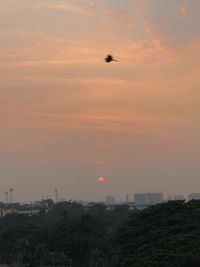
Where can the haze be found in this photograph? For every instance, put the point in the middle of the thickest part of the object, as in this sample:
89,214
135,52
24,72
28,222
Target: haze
67,117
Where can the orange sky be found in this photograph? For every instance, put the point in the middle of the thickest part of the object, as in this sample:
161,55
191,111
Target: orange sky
67,117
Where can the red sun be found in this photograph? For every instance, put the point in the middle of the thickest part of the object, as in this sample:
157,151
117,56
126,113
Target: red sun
101,179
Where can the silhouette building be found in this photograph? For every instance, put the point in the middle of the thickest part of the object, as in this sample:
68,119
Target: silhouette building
179,197
148,198
110,200
194,196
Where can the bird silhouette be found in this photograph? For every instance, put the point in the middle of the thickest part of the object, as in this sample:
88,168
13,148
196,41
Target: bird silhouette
109,59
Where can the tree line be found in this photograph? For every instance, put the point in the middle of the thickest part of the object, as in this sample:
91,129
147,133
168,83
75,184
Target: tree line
71,235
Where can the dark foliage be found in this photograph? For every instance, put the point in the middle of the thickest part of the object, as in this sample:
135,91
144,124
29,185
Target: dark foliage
166,235
68,235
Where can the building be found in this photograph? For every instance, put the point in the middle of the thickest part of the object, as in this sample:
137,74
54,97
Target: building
148,198
23,209
140,199
194,196
5,211
110,200
179,197
169,198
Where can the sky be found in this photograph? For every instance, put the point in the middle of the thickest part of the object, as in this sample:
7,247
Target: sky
67,117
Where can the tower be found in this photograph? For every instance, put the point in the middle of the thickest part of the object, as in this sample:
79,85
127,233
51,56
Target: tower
56,195
11,195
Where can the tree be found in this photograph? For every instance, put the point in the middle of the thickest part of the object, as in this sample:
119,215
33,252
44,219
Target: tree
166,235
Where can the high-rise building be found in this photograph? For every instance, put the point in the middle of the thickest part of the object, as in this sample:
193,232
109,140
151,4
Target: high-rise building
148,198
140,199
110,200
179,197
169,197
194,196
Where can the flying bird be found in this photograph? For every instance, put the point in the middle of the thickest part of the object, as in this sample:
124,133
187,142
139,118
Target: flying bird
109,59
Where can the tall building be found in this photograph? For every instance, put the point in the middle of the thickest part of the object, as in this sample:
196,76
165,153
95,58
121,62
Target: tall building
110,200
194,196
148,198
179,197
169,198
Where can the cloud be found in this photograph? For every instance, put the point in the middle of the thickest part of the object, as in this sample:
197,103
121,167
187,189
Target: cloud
67,6
166,23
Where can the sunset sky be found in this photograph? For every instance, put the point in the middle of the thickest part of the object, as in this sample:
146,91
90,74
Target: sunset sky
67,117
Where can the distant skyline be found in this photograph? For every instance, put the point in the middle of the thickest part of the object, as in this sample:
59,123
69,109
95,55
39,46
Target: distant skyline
8,196
68,118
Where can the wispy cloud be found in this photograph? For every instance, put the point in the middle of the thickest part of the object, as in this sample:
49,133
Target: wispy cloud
67,6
